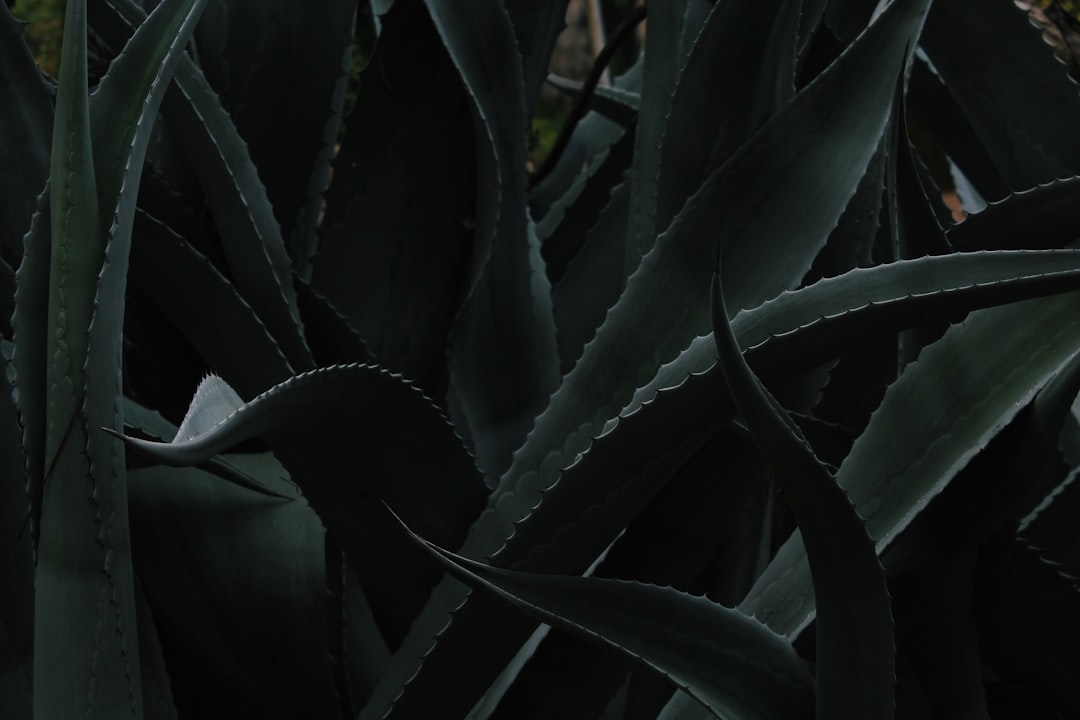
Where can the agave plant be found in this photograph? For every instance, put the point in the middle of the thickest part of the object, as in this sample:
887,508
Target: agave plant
718,413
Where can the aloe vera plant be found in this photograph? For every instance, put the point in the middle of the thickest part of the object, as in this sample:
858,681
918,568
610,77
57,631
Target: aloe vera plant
718,413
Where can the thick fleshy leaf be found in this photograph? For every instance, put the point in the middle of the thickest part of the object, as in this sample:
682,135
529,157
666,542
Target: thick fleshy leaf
333,339
594,279
612,102
251,235
634,456
237,582
690,406
503,358
1043,217
1050,528
848,18
348,462
697,534
936,110
394,271
537,27
244,471
1015,93
85,627
1016,472
727,661
855,651
588,145
987,369
206,308
715,106
681,400
564,229
77,247
248,50
805,327
663,61
30,361
855,94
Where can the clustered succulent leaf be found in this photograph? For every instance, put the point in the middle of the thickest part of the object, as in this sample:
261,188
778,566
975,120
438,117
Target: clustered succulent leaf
721,411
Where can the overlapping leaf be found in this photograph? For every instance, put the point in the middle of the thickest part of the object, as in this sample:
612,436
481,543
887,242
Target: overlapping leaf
727,661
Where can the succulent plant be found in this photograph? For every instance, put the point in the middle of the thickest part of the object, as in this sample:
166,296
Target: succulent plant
717,413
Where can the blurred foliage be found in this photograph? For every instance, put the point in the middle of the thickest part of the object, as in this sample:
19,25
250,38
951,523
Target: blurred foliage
45,20
1072,6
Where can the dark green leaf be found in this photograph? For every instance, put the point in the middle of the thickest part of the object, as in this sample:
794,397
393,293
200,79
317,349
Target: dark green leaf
250,51
716,104
565,227
347,461
1050,529
333,340
206,308
238,581
614,103
849,105
1013,350
594,279
727,661
537,26
503,357
855,659
85,627
1047,216
1011,88
663,63
395,240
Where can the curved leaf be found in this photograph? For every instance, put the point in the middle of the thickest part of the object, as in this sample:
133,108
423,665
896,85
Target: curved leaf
206,308
1015,93
972,383
537,26
395,272
849,105
503,357
727,661
716,105
86,652
235,469
855,647
588,144
249,51
1045,216
30,355
251,235
593,280
798,329
1050,528
333,339
662,64
398,447
614,103
564,228
804,327
238,582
